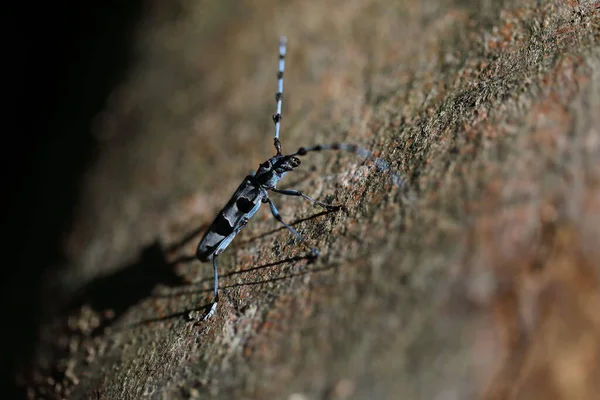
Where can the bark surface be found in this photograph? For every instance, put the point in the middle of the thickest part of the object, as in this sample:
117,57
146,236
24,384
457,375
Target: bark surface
479,279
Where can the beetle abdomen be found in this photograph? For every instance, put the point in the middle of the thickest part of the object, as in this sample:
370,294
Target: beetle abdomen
243,204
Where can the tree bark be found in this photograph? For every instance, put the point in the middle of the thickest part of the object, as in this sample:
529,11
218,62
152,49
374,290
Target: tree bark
478,279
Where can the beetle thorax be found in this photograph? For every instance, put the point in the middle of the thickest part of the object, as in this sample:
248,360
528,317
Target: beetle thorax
272,170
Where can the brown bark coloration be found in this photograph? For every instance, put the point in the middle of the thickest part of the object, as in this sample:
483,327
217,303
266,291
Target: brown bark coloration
480,280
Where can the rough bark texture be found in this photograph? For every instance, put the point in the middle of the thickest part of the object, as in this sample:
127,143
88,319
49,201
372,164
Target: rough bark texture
480,280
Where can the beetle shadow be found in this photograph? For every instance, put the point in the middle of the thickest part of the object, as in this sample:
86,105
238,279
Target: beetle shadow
293,223
187,312
113,294
195,287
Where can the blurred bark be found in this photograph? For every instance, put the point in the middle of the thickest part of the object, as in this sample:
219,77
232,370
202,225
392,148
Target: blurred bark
480,280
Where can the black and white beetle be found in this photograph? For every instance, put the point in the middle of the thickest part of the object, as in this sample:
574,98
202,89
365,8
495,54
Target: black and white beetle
253,191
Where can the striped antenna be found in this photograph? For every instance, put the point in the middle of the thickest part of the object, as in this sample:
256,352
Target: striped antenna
279,94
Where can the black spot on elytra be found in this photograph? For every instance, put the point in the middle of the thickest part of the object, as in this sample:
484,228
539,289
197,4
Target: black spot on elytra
244,205
222,226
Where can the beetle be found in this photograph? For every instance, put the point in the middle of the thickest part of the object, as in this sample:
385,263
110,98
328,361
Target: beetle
254,191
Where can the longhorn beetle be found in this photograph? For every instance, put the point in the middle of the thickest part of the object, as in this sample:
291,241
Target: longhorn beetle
253,191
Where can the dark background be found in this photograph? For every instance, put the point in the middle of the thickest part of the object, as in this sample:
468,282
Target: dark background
62,61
